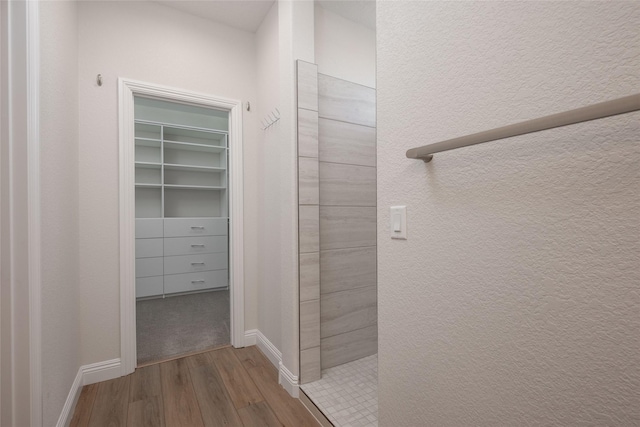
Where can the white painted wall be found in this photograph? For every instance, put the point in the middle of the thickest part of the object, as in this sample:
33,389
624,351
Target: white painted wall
344,48
268,240
60,215
515,299
295,20
153,43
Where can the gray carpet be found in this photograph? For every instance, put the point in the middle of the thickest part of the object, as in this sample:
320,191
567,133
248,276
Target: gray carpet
172,326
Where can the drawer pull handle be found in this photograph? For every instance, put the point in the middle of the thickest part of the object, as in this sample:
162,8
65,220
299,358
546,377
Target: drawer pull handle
197,263
197,227
197,281
197,246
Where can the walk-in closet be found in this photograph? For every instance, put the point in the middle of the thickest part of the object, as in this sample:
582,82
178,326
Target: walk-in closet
181,228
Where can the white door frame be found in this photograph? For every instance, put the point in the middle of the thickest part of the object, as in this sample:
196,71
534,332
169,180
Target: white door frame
21,287
127,89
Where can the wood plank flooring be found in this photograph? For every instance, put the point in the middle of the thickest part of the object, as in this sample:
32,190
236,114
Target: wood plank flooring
222,387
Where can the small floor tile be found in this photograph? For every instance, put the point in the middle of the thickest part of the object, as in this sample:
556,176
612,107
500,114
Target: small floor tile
348,394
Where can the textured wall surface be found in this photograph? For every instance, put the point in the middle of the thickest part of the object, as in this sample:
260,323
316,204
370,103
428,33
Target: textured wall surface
156,44
59,180
515,299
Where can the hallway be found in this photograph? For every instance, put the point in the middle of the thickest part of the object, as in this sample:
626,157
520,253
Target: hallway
227,386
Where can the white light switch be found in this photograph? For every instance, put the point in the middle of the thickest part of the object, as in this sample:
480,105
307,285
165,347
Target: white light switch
399,222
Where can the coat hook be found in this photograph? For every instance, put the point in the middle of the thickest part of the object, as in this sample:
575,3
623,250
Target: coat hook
248,106
99,79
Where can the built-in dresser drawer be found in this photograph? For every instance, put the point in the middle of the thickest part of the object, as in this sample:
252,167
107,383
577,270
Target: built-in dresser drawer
147,228
146,267
193,263
180,227
174,283
149,286
148,248
194,245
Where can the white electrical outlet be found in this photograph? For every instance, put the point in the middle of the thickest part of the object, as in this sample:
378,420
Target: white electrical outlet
399,222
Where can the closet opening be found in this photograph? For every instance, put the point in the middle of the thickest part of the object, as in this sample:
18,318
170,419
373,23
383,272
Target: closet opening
182,229
181,223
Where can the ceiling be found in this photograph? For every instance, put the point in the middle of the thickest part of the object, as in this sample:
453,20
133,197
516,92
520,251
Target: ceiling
248,14
243,14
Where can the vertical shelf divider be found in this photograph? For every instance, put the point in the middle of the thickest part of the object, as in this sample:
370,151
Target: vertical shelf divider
162,172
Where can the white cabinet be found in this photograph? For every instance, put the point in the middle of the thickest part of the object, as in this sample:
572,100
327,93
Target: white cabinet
189,282
181,209
149,286
146,267
148,248
194,245
176,227
195,263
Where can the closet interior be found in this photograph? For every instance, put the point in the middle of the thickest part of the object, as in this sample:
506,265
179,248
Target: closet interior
181,228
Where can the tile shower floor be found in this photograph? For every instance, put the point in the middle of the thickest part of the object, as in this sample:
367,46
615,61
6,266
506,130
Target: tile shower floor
348,394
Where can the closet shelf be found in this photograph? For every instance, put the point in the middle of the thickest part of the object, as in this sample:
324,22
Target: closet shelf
189,146
142,185
148,142
194,168
148,165
193,187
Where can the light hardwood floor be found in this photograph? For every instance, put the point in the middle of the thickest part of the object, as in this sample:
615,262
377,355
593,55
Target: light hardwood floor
223,387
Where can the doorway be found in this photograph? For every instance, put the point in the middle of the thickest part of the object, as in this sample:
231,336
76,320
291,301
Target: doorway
180,199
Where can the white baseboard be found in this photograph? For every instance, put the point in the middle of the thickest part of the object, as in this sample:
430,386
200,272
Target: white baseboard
270,350
72,399
288,381
250,337
87,374
101,371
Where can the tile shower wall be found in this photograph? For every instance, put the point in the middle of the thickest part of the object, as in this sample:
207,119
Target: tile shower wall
308,222
347,221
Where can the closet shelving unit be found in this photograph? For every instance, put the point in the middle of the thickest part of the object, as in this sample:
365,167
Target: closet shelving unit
181,209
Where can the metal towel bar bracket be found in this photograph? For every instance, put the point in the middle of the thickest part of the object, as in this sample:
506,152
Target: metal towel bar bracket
601,110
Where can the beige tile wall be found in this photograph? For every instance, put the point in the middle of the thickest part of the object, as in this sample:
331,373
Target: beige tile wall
347,209
337,221
308,222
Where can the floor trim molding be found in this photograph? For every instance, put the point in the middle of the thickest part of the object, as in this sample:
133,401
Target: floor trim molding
250,337
101,371
87,374
72,400
287,380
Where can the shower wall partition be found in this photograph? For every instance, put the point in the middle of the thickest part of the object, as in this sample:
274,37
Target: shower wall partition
337,221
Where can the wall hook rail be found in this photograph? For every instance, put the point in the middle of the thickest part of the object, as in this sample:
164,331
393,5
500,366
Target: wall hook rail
271,119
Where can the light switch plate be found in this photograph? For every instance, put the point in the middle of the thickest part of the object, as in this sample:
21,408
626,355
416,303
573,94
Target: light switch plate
398,223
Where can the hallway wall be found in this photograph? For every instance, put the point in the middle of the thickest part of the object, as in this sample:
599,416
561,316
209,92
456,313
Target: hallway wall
344,49
61,321
515,299
267,269
149,42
